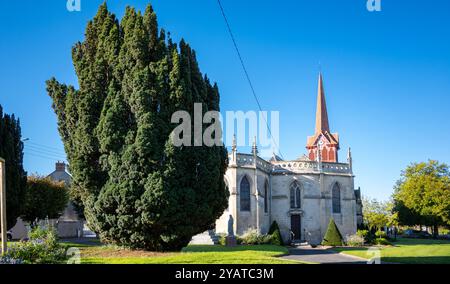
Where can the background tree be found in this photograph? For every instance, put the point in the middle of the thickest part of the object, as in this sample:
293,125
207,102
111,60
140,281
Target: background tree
407,216
11,149
44,198
376,214
423,193
138,190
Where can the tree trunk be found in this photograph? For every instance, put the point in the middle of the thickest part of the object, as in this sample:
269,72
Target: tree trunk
435,231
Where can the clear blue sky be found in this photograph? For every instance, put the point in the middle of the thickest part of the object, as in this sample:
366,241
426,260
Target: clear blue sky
386,74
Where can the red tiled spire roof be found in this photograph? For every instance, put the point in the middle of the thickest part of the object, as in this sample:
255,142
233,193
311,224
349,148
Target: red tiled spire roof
322,125
329,150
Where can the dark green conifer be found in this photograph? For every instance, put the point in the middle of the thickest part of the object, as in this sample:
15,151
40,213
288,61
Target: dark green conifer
11,149
137,188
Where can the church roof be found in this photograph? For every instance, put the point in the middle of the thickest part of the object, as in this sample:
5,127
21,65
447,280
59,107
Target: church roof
275,158
332,138
303,158
60,174
322,124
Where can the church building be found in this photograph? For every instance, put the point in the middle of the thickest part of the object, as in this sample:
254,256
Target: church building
300,195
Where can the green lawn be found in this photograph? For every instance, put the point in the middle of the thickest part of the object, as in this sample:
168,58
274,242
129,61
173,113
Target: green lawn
409,251
263,254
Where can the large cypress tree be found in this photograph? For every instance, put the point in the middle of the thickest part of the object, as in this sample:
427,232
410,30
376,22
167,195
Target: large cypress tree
138,189
11,149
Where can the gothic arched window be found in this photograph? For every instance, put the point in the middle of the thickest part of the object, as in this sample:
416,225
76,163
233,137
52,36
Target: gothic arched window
295,195
266,197
324,154
245,194
336,198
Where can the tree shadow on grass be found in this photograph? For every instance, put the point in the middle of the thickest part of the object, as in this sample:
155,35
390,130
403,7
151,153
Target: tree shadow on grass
418,259
414,241
219,248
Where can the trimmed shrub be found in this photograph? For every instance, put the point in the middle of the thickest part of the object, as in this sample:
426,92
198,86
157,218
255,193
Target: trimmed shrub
274,231
332,237
274,227
276,238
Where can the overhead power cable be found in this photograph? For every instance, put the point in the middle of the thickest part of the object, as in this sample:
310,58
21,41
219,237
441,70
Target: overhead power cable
42,156
54,153
37,145
247,74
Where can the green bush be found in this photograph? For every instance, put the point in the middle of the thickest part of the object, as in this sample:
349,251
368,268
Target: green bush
382,242
274,227
332,237
274,231
222,239
363,233
381,234
252,237
276,238
42,248
355,240
367,235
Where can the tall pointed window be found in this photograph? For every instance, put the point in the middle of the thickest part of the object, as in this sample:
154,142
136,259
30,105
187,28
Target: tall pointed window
336,198
245,194
266,197
295,195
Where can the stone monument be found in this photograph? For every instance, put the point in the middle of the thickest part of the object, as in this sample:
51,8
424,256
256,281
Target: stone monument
230,239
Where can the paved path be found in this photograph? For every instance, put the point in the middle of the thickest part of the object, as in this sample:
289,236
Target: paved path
323,256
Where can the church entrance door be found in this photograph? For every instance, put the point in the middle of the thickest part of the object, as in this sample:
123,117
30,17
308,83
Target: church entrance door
296,227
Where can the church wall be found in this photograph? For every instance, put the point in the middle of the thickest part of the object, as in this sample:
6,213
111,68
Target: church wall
222,222
264,217
244,220
316,203
345,220
316,208
310,204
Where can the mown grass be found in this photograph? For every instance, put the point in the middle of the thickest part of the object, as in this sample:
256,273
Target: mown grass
414,251
196,254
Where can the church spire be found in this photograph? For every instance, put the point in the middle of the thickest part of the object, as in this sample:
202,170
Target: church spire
322,124
323,138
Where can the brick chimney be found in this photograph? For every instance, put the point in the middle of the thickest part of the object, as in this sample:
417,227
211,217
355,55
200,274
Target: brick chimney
60,167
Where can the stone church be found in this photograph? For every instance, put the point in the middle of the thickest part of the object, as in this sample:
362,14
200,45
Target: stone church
300,195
